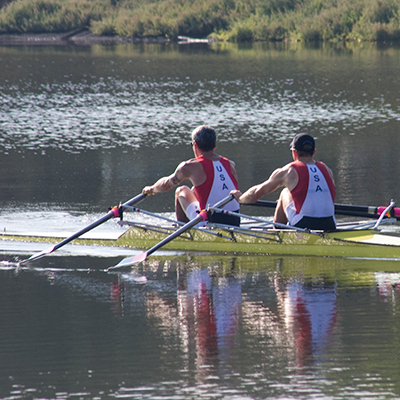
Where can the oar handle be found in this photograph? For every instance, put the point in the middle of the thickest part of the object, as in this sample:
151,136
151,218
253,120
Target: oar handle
224,201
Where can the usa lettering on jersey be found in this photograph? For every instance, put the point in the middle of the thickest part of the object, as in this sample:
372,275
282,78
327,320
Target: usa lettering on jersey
221,177
316,177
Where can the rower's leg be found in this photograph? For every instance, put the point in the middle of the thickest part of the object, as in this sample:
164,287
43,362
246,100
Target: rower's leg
180,214
183,197
284,199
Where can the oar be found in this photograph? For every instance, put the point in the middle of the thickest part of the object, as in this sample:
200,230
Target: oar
114,212
386,210
174,221
129,261
344,209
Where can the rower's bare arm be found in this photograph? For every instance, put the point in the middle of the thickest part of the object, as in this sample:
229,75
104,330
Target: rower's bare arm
256,192
168,182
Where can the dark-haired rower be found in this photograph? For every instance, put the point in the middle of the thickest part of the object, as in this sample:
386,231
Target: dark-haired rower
307,200
213,178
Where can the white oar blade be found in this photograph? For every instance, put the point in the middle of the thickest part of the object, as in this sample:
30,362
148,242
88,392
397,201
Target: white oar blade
130,261
38,255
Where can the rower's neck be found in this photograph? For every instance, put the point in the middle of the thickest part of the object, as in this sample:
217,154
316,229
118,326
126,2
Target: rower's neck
306,160
210,155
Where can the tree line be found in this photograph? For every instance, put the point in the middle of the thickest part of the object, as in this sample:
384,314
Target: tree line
221,20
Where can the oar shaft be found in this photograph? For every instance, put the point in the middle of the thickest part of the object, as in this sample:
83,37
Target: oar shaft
201,217
114,212
130,261
342,209
366,210
84,230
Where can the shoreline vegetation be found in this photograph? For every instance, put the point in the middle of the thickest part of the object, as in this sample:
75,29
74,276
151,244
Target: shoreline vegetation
121,21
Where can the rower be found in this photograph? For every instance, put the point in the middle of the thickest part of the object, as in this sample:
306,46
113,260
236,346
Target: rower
213,177
307,200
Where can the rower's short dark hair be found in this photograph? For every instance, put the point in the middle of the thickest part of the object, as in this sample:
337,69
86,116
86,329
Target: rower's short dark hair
205,138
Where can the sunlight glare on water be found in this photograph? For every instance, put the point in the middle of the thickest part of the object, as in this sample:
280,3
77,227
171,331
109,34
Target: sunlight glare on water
99,121
121,105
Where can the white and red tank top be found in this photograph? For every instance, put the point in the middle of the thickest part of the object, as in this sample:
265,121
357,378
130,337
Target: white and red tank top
218,184
314,194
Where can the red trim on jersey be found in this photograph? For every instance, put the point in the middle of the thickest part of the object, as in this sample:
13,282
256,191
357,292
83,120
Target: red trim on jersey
203,191
328,178
299,193
227,165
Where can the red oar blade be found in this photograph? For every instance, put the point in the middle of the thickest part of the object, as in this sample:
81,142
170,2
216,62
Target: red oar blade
130,261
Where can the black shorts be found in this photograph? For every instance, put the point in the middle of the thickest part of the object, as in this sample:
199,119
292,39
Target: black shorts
320,224
221,218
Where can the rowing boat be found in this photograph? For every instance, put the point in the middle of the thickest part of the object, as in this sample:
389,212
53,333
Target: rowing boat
257,235
368,243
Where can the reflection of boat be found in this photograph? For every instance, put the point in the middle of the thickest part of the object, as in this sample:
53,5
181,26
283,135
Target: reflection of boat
256,235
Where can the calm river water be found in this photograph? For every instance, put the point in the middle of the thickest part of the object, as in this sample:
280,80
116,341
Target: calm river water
84,128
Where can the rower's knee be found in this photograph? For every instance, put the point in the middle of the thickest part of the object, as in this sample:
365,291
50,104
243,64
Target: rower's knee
182,191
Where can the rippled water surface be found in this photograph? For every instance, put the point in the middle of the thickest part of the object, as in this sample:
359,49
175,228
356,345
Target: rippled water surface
102,99
84,128
201,327
85,125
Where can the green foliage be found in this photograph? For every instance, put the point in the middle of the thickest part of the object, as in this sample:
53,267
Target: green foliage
44,16
228,20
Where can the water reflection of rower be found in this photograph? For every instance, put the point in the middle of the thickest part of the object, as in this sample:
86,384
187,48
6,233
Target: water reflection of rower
388,284
309,309
211,310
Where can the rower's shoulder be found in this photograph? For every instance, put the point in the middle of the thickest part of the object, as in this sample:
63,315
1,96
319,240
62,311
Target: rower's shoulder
324,164
285,169
190,164
318,163
328,169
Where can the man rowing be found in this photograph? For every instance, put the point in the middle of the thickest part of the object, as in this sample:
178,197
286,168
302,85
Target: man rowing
213,177
307,200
